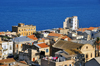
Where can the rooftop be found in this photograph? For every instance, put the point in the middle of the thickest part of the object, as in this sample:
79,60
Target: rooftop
73,51
32,37
90,28
9,60
67,45
55,34
41,45
22,39
66,37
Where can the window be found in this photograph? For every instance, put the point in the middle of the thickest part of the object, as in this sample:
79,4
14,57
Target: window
10,47
70,65
91,54
19,30
47,50
29,33
29,29
4,47
17,46
86,47
21,45
86,55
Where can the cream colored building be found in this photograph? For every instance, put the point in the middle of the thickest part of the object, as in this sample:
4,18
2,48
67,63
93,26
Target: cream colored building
24,30
88,51
71,22
19,41
43,47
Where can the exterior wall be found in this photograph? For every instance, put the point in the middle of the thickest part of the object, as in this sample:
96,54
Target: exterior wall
47,42
75,23
0,51
44,49
97,35
18,47
24,30
7,48
64,31
79,37
67,63
33,55
65,24
14,29
88,51
45,34
47,63
71,22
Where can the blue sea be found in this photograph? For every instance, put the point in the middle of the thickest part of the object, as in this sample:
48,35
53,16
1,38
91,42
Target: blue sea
48,14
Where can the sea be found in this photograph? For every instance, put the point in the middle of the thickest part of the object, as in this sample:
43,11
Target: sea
48,14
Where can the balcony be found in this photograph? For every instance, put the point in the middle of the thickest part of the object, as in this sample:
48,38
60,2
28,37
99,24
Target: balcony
5,49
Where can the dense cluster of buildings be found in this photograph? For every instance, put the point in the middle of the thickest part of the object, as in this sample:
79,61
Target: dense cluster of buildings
67,46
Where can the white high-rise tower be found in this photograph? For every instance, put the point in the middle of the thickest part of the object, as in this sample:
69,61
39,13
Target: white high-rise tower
71,22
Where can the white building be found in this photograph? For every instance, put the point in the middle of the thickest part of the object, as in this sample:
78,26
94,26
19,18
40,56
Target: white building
6,48
71,22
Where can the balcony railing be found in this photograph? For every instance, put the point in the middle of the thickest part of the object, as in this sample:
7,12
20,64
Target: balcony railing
5,49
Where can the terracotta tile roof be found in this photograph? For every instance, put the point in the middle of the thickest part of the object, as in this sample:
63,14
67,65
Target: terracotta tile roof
90,28
60,28
2,33
66,37
23,62
32,37
55,34
43,45
82,29
9,60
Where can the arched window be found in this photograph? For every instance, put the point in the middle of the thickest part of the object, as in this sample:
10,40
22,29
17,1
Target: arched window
91,54
10,47
19,30
86,55
86,47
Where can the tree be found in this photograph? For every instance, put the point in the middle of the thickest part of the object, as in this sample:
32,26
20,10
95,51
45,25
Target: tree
37,34
97,44
18,35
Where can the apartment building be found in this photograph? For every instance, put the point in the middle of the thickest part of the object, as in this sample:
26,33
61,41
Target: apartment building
24,30
6,48
71,22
